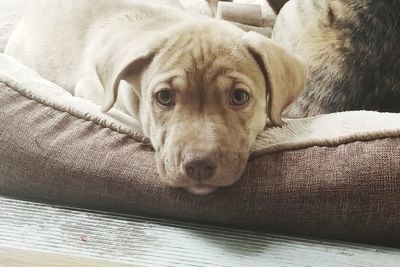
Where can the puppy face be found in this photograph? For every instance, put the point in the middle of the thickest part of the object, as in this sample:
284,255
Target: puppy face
203,96
203,104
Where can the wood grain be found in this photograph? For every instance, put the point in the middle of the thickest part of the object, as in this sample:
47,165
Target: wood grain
148,241
248,14
214,4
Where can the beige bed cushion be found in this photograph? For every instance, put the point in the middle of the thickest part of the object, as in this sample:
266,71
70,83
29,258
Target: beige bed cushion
331,176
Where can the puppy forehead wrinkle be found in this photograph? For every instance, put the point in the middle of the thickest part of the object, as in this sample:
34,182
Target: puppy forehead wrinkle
242,78
167,77
198,46
222,66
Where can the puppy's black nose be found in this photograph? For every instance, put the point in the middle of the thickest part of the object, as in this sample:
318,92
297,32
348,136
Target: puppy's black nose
199,165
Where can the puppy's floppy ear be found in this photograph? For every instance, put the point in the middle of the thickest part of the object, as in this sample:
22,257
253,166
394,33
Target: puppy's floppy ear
124,65
284,73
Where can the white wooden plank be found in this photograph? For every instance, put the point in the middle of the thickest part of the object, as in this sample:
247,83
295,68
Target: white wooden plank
138,240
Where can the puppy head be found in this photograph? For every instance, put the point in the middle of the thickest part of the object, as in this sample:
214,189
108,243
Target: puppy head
205,90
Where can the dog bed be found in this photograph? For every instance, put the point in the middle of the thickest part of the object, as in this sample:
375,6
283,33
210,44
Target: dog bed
335,175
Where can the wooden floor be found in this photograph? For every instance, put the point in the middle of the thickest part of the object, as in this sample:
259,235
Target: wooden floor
33,234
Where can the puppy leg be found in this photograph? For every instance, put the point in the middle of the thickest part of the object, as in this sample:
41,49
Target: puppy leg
128,100
90,88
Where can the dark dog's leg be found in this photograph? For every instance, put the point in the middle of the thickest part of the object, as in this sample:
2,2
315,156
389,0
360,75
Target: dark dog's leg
277,4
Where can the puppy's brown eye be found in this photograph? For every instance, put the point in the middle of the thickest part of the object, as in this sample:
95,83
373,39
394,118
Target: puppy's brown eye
239,97
166,97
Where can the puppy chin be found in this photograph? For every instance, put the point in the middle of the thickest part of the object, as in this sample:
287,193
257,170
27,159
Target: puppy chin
201,189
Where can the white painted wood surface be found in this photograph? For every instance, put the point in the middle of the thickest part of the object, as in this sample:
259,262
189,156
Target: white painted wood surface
145,241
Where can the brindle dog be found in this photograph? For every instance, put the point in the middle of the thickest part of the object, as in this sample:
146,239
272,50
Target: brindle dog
352,48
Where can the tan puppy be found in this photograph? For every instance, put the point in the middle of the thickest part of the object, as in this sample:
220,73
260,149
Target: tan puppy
201,88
